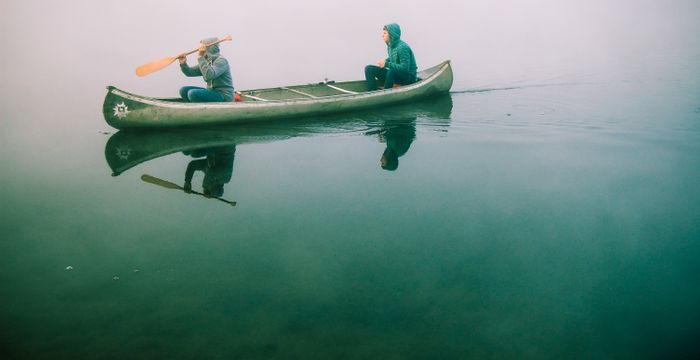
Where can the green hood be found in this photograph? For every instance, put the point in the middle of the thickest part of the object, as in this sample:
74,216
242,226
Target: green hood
394,31
399,54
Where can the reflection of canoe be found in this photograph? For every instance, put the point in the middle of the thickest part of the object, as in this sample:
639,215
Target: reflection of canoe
126,149
124,110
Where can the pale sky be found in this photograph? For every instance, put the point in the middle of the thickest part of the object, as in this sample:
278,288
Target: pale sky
287,42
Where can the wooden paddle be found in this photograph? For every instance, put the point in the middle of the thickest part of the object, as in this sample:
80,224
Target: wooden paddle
154,66
167,184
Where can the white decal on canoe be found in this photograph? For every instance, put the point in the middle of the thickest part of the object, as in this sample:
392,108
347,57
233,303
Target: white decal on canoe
123,152
121,110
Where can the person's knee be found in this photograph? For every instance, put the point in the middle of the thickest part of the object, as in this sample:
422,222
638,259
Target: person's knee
184,92
203,95
193,96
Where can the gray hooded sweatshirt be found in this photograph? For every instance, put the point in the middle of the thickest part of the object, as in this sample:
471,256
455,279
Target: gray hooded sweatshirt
214,69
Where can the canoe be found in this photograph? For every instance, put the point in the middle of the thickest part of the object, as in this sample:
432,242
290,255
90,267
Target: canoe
123,110
127,149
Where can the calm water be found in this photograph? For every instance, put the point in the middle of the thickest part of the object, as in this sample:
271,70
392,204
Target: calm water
547,208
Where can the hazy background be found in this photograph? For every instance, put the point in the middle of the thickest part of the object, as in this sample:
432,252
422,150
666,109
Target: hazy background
548,208
283,42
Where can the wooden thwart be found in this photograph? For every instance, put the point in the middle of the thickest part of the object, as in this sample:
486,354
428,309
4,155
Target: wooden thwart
299,92
341,89
254,97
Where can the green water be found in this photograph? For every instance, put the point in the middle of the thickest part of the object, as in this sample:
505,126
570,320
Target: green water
545,212
505,231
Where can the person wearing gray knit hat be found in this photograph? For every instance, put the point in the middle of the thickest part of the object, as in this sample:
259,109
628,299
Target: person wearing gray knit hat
215,70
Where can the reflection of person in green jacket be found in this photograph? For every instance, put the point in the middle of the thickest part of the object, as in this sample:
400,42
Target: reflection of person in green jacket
217,168
400,65
398,139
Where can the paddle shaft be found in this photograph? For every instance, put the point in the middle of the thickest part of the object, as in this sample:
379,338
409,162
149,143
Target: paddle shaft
225,38
167,184
160,64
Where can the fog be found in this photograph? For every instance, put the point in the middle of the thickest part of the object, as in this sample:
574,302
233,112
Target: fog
276,42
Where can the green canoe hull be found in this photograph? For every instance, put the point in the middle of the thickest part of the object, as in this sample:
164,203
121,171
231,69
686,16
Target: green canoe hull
123,110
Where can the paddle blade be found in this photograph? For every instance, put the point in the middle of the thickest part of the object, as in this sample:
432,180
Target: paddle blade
154,66
155,181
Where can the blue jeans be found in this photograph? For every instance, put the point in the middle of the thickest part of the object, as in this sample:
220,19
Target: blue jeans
198,94
390,77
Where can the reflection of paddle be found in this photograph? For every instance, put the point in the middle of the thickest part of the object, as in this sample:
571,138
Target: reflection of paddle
167,184
156,65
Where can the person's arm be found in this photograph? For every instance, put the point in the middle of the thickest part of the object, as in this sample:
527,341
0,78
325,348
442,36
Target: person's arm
200,164
186,69
403,60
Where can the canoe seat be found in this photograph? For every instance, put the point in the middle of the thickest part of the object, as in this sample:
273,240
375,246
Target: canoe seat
396,85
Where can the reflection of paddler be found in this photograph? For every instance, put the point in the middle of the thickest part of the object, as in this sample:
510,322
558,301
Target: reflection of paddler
217,168
398,139
169,185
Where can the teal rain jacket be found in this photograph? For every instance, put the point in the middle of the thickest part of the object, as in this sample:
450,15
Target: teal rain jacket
400,54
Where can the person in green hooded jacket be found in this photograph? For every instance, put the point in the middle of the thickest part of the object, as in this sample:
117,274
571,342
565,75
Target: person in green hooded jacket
400,65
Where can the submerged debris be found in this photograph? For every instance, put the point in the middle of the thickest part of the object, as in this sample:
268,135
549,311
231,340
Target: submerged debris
115,278
69,268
